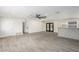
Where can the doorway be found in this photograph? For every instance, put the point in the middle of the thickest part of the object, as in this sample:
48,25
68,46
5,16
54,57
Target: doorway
49,27
23,27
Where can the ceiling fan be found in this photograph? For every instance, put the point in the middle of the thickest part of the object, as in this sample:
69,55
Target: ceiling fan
39,16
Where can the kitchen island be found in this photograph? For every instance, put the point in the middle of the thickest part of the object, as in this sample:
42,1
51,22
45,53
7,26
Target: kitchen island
72,33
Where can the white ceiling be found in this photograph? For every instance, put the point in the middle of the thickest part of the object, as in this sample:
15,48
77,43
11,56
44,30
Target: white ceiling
50,11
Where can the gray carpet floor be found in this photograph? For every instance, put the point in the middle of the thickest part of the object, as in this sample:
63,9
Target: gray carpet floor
38,42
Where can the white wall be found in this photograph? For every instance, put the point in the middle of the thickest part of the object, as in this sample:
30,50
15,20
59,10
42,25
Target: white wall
35,26
13,26
10,26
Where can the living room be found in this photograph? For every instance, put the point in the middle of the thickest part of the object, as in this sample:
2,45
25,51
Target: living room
22,27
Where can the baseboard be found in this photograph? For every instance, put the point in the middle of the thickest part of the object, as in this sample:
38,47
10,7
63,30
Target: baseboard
9,35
